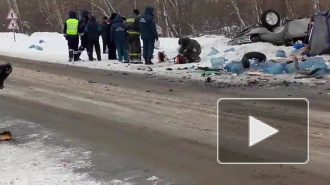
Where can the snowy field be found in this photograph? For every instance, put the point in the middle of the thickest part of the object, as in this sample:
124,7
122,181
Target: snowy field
34,162
35,157
54,49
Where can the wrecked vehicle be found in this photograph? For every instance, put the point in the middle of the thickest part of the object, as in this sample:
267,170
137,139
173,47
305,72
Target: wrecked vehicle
5,70
274,30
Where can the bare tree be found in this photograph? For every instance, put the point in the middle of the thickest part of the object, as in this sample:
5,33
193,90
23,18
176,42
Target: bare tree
316,5
237,12
289,7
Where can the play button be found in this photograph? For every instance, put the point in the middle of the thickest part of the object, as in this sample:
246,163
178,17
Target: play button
263,131
259,131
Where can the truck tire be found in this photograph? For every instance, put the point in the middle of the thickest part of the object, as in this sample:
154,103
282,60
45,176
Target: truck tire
270,19
253,55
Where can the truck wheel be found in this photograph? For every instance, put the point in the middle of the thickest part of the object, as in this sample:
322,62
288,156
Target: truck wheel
253,55
270,19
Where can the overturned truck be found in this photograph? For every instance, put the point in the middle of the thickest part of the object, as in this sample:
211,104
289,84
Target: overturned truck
319,40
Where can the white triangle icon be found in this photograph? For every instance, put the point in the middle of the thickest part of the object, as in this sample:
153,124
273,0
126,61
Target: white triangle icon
12,15
259,131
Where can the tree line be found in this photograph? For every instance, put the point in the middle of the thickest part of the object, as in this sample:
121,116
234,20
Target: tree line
176,17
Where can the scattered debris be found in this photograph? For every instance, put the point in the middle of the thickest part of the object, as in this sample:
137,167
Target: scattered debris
229,50
252,82
6,136
251,73
285,83
92,81
208,80
320,82
281,54
185,68
213,52
149,69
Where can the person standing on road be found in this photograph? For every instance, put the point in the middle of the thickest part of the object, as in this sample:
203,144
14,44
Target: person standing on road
148,31
83,38
104,34
71,33
111,44
118,35
134,42
93,31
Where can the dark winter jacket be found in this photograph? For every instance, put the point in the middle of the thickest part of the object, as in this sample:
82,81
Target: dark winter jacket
83,21
105,32
147,25
93,29
72,15
109,25
132,24
188,44
118,33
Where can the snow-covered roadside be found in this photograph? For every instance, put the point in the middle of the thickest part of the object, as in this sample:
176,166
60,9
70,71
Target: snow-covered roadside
55,50
33,162
38,156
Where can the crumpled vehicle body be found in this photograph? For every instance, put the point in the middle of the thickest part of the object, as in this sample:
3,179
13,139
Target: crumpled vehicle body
282,31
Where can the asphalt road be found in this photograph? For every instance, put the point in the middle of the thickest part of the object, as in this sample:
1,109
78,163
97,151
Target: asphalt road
157,125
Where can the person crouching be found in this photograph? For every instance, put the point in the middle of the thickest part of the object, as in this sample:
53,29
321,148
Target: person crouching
118,34
93,31
190,49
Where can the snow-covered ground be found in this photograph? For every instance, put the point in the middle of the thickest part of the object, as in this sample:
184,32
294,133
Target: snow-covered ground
55,50
35,158
34,162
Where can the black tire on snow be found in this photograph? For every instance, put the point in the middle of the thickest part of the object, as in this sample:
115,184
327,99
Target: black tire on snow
265,23
256,55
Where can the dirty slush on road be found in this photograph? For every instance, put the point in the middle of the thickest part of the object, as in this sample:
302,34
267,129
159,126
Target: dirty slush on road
96,126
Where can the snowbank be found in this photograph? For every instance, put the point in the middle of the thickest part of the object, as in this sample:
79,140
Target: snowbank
54,49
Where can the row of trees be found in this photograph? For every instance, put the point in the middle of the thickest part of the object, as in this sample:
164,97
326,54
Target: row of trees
176,17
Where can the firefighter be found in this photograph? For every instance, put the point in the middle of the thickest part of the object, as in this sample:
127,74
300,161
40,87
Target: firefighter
190,49
134,37
71,33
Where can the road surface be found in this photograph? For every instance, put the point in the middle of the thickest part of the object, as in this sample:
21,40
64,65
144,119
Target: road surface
138,126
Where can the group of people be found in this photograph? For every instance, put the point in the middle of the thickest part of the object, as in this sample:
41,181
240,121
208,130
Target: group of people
120,35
